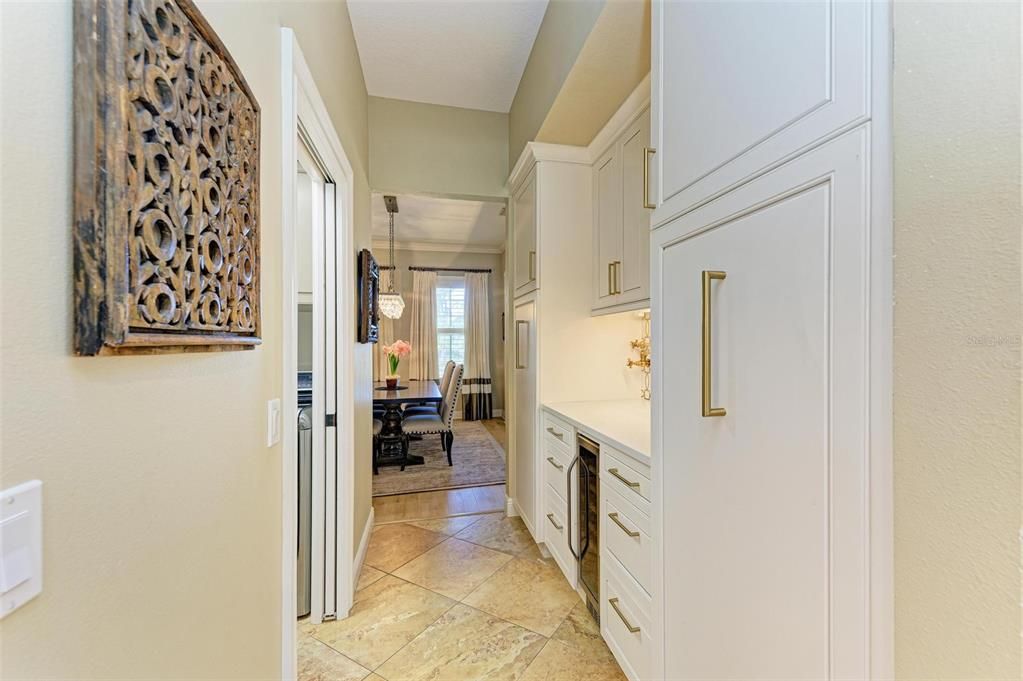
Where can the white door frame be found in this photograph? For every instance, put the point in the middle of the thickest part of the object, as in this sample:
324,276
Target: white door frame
302,109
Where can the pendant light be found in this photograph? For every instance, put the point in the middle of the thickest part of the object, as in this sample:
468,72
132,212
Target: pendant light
391,303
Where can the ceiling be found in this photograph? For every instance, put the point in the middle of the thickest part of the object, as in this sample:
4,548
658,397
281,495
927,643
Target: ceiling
427,220
464,53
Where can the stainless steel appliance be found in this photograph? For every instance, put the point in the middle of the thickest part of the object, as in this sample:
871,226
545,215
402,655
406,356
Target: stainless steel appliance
585,541
305,510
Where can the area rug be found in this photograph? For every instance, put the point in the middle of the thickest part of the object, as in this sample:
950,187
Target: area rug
477,456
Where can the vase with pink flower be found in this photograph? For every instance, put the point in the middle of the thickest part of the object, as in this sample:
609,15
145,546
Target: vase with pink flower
395,352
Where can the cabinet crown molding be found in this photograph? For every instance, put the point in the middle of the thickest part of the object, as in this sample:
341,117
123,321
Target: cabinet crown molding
536,152
634,105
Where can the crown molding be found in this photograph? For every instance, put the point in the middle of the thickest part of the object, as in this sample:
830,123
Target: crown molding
379,245
536,152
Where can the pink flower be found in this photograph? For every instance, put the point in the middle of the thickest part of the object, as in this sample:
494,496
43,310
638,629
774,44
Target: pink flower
398,348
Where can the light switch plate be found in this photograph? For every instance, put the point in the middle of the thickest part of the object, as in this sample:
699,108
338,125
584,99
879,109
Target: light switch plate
21,545
273,422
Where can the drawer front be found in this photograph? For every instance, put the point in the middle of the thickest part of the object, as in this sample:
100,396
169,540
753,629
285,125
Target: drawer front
625,477
558,432
627,537
625,621
555,532
556,461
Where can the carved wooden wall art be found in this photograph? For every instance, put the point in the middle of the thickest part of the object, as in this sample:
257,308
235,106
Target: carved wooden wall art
368,288
166,231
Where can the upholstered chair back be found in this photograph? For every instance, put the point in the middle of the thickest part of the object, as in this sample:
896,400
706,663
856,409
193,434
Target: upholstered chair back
447,408
445,378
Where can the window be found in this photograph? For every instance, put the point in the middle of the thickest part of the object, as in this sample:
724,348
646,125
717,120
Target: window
450,320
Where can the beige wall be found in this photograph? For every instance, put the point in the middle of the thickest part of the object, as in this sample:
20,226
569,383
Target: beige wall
161,501
494,261
957,340
564,30
429,149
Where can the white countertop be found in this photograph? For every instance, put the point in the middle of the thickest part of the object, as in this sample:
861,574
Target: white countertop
623,424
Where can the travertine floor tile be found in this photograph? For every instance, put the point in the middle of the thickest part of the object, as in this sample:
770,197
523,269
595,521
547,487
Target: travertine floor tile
561,662
391,546
319,662
448,526
465,644
387,615
453,568
580,630
499,532
532,594
368,576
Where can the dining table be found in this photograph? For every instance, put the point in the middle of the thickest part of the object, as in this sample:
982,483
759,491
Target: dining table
393,447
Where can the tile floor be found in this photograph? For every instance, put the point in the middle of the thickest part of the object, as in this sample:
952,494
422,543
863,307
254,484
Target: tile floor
458,599
439,504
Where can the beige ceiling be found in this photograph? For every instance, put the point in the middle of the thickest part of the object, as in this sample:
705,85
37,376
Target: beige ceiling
435,220
612,62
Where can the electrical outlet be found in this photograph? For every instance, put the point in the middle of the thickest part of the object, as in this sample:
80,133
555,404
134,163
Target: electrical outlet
273,422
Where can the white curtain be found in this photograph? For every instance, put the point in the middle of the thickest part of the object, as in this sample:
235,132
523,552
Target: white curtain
476,385
422,363
385,336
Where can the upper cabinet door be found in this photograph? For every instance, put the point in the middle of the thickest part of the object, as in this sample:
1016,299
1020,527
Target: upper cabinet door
634,272
607,221
737,87
524,233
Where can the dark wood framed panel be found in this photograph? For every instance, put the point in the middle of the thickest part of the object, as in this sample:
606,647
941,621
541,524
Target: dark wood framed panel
369,289
166,231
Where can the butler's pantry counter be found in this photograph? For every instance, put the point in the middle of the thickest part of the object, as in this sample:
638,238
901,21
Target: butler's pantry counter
596,501
622,424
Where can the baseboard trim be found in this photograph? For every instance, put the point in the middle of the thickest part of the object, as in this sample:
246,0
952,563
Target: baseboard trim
360,556
509,507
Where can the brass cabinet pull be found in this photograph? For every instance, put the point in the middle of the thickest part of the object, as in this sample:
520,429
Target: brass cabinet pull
519,323
708,410
550,517
617,275
630,483
613,602
555,433
647,152
532,265
554,463
619,523
610,279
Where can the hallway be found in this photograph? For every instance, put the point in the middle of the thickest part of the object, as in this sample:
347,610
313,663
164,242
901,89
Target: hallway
466,597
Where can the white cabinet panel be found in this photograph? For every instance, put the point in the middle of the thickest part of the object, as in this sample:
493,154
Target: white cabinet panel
524,356
739,86
524,215
764,508
634,274
607,221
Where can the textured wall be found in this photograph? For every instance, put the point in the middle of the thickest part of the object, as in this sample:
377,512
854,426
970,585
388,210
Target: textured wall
429,149
161,500
957,340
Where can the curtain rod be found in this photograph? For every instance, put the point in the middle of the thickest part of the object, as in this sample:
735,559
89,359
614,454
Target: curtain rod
415,268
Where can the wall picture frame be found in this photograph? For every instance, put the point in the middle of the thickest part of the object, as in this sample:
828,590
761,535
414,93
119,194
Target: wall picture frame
368,287
166,173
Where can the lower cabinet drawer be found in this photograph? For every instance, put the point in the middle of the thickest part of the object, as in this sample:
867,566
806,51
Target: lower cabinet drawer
626,536
555,468
625,620
555,532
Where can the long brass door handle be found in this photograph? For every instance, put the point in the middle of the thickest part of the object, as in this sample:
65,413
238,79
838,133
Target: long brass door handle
610,279
617,275
706,401
519,323
550,517
532,265
619,523
554,463
647,152
613,602
630,483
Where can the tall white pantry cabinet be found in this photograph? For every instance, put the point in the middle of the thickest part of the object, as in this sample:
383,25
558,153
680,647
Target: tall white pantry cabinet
770,292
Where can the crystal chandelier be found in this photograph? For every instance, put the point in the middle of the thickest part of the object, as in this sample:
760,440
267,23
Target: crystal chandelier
391,303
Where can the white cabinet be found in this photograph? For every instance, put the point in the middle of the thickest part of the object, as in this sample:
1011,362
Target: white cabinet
524,219
621,221
526,479
762,511
740,86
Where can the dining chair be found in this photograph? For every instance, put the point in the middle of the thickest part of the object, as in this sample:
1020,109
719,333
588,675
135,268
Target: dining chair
439,423
431,409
